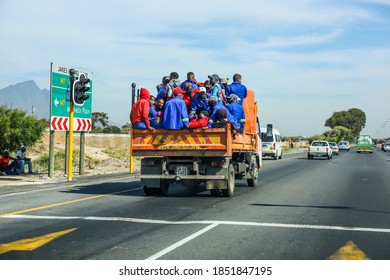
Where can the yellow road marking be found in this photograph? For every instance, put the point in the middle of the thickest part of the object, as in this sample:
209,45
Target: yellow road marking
349,252
30,244
59,204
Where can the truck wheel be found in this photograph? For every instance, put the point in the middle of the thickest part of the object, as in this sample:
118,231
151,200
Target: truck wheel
254,174
215,192
230,183
148,191
281,155
164,187
252,182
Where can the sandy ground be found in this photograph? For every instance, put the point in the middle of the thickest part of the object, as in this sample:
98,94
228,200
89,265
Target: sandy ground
105,165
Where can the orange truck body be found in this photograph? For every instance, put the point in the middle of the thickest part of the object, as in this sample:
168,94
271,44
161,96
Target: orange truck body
200,148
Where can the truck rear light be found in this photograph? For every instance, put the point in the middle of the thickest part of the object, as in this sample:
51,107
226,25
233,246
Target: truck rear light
327,149
148,162
218,163
274,146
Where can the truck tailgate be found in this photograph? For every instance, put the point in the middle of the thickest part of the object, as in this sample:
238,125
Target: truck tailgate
199,142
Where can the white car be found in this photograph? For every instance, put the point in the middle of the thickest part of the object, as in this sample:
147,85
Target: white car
344,145
272,145
335,148
386,147
319,148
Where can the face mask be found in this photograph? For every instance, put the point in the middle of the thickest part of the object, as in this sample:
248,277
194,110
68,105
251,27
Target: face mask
151,102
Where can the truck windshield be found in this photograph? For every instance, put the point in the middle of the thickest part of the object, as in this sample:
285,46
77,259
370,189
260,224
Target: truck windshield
266,138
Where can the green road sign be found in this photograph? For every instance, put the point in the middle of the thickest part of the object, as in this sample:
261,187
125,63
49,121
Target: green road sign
60,97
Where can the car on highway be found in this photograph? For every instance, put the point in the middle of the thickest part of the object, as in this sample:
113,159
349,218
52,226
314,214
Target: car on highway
319,148
386,146
344,145
272,145
335,148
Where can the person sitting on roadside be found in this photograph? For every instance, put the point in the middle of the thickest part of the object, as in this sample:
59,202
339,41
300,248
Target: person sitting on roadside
175,111
7,168
236,110
217,105
23,160
200,121
139,115
199,102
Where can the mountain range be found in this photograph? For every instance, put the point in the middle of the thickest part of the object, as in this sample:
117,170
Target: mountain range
28,97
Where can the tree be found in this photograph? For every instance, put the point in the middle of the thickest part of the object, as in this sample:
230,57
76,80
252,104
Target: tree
99,117
112,129
354,119
17,129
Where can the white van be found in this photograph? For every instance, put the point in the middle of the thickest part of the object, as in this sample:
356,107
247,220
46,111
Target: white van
271,143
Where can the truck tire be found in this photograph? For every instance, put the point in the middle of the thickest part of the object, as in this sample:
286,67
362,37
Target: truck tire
149,191
281,155
215,192
230,182
252,182
164,187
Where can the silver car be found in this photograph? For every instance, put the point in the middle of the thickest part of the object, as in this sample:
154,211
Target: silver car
386,147
344,145
334,147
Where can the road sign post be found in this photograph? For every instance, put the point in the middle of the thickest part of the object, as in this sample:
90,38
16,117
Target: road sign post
64,116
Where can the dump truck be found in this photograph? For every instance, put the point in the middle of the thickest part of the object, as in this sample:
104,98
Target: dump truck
364,143
215,157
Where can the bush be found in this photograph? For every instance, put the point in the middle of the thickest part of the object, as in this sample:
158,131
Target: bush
17,129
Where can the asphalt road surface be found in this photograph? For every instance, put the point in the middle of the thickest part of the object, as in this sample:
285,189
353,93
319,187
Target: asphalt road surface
303,210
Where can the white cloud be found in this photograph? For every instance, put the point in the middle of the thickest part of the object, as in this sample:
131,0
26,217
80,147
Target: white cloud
124,42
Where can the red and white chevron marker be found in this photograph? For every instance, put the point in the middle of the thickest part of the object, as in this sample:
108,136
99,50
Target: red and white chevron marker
59,123
82,124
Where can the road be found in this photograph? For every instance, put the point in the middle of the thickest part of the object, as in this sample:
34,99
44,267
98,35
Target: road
303,210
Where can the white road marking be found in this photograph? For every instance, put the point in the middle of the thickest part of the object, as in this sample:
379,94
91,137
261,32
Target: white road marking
211,225
181,242
205,222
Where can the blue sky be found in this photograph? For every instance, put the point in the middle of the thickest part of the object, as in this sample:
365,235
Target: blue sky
304,59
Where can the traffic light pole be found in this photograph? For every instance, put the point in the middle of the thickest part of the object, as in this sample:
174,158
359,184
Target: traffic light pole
71,117
131,158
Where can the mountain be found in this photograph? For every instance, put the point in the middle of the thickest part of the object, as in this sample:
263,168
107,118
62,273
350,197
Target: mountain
28,97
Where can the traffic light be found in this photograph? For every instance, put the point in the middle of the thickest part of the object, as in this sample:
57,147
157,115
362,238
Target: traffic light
80,87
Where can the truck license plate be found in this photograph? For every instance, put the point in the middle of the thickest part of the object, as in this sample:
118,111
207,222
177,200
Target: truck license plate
181,170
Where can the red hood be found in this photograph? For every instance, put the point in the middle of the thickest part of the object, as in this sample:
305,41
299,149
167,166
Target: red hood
144,94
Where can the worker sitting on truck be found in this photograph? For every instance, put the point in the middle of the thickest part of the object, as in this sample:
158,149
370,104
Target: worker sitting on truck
236,110
156,113
237,88
139,115
175,112
200,121
216,105
190,79
199,102
216,89
164,89
190,91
